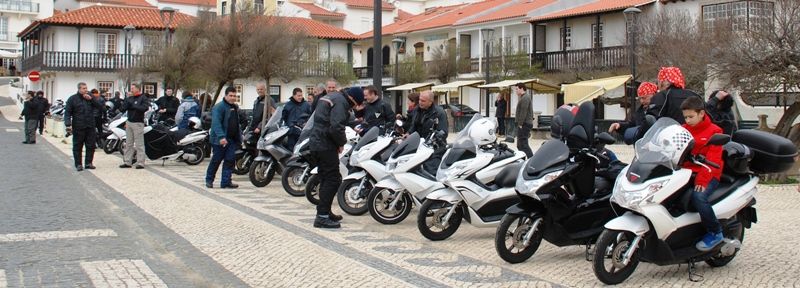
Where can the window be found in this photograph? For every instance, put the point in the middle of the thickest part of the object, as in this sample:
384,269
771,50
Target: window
566,38
151,42
275,93
509,44
597,39
312,52
3,28
224,6
524,43
740,15
258,5
149,88
239,89
105,86
106,43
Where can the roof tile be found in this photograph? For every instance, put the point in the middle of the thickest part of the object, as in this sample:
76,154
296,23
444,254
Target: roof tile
112,17
598,6
437,17
204,3
321,30
519,9
316,10
367,4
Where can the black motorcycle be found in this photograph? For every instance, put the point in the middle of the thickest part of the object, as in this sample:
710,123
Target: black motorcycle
246,153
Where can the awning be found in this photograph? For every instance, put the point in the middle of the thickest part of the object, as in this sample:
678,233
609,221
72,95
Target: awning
7,54
590,89
410,86
453,86
533,84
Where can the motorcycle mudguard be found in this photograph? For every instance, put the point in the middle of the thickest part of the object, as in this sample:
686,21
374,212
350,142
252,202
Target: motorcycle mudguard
390,184
262,159
356,176
239,153
446,194
296,162
629,221
112,137
278,152
521,209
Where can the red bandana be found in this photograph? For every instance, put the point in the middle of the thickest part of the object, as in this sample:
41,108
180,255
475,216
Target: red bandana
647,88
673,75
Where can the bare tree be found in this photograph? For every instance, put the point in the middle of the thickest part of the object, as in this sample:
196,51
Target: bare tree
179,61
411,70
507,64
444,64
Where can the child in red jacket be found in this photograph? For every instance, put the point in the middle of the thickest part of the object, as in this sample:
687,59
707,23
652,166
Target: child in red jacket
706,181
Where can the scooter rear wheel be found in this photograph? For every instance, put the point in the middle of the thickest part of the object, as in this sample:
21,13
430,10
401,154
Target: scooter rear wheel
736,232
430,218
509,238
608,257
197,152
378,203
312,189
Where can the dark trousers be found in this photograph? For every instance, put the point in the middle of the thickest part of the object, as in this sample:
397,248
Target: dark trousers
41,125
98,124
84,137
328,167
227,157
523,135
30,130
501,126
700,203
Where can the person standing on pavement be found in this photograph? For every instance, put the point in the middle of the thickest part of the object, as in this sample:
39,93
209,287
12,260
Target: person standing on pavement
330,119
500,113
295,114
45,109
168,106
79,120
225,138
377,113
259,117
428,119
524,119
672,92
117,100
136,105
632,129
31,110
100,116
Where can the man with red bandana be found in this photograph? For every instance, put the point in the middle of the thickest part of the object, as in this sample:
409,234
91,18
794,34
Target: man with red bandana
672,92
631,128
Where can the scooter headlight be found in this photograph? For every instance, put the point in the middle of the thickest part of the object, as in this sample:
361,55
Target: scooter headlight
636,196
529,187
391,165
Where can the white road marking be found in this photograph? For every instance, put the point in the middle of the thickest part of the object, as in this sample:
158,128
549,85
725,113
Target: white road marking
12,130
53,235
121,273
3,282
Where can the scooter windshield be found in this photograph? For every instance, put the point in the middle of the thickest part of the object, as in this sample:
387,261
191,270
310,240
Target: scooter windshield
369,137
306,132
465,131
657,147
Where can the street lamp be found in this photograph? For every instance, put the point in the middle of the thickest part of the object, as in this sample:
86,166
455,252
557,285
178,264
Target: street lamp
167,15
128,37
398,42
631,21
488,35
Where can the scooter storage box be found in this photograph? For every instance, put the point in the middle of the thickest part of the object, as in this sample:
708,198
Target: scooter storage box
771,153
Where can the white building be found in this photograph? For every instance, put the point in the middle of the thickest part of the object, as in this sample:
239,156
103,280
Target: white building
15,15
190,7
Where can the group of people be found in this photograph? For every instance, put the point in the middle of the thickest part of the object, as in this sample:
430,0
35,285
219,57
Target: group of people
34,110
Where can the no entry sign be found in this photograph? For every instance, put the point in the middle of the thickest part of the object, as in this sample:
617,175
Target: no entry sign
34,76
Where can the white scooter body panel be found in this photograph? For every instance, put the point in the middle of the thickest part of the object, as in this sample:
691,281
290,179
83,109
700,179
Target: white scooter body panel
193,137
355,176
389,183
417,185
486,175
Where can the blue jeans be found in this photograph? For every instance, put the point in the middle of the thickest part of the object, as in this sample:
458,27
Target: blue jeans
218,154
707,215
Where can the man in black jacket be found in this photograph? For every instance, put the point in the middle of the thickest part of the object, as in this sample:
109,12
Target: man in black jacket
667,102
720,107
31,110
100,116
377,112
500,113
259,119
430,118
45,109
168,106
79,120
136,105
633,129
330,119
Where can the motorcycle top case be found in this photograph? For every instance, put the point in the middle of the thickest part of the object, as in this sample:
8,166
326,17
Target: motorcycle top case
771,153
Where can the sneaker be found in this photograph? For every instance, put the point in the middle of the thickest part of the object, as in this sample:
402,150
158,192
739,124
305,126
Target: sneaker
231,186
90,166
125,166
209,185
334,217
79,168
709,241
326,222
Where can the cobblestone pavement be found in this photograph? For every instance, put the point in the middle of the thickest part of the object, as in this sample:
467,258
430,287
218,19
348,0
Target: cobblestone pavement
264,237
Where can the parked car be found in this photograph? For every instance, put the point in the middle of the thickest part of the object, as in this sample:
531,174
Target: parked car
459,109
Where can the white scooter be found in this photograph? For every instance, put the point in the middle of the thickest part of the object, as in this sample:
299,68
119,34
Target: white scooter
117,127
479,177
659,224
407,183
312,186
369,165
165,144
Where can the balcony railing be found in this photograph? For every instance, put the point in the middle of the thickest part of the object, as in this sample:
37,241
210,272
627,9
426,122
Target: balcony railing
321,68
584,59
75,61
19,6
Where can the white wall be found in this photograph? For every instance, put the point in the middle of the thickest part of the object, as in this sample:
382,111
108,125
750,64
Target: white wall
187,9
65,5
411,6
288,9
359,21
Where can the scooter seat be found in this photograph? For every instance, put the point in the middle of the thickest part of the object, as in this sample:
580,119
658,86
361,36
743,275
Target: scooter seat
502,155
722,191
507,177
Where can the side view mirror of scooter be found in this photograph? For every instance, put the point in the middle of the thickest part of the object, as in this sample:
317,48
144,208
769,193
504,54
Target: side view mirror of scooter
606,139
719,140
398,123
650,120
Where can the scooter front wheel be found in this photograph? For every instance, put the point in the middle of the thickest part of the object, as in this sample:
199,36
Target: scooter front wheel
261,173
243,163
431,219
110,147
294,181
510,238
352,200
312,189
380,201
609,266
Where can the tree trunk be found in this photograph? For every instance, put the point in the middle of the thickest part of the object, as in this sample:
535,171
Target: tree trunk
785,124
266,111
216,94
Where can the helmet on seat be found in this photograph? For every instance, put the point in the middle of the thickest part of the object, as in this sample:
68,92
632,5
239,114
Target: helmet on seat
194,122
482,131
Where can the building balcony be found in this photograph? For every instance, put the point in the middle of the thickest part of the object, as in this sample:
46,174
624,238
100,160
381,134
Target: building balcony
583,59
78,61
19,6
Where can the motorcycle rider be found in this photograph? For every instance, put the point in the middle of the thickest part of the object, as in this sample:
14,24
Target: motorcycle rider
376,111
672,87
167,106
719,109
424,123
259,119
295,114
707,179
631,129
330,119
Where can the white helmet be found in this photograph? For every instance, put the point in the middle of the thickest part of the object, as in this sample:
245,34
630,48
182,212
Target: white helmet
482,131
194,122
109,105
673,142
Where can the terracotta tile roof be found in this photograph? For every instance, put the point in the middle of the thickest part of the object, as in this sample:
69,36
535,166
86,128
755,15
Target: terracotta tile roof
321,30
317,11
515,9
598,6
437,17
111,17
367,4
131,3
402,15
204,3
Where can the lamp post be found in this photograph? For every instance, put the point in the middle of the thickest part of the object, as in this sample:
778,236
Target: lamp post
167,15
488,34
377,55
631,21
398,42
128,37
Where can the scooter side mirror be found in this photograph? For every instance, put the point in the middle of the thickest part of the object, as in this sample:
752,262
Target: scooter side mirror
650,120
606,139
719,140
398,123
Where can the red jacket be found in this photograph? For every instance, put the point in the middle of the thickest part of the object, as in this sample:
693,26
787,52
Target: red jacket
702,133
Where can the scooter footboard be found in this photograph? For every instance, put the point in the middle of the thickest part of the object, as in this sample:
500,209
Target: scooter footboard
629,221
391,184
446,194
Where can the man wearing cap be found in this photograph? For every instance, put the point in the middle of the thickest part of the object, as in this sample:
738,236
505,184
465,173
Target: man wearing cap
630,128
667,102
330,118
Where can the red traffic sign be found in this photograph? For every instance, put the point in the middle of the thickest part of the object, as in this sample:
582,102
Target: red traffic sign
34,76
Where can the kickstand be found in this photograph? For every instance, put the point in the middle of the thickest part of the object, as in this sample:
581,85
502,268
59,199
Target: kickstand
693,276
163,161
589,252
